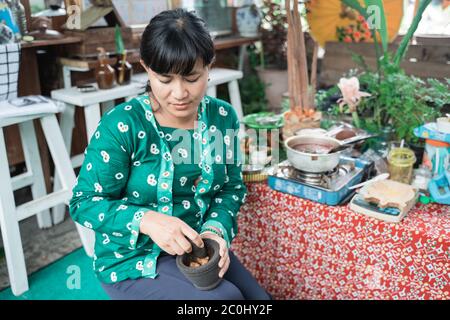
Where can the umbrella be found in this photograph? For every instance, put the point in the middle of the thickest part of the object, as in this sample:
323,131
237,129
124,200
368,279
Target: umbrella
331,20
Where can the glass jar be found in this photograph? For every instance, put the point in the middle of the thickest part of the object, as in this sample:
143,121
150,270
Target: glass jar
104,73
382,143
263,134
421,178
400,164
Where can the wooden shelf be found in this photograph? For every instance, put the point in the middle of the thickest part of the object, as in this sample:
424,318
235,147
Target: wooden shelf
90,61
53,42
222,43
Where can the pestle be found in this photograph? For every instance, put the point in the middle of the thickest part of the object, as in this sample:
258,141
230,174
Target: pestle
197,251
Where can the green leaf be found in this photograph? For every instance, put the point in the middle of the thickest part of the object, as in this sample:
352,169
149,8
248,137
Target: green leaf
414,24
383,27
355,5
362,11
120,48
359,59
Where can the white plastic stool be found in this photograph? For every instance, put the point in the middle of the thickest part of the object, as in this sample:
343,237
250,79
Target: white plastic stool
219,76
91,103
10,214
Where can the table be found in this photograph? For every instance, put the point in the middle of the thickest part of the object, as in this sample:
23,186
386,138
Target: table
221,43
29,84
29,73
299,249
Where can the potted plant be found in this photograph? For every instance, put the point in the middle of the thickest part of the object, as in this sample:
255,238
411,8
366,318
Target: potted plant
400,101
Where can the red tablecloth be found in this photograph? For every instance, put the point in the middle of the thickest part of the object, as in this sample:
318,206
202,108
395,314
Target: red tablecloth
299,249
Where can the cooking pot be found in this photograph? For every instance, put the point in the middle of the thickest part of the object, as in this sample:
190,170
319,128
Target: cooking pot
301,154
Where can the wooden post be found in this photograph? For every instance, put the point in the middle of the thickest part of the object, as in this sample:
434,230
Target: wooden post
313,83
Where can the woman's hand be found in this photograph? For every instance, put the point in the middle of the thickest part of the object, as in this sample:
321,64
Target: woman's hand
224,261
169,233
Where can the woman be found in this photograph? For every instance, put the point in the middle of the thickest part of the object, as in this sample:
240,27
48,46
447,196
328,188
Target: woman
145,191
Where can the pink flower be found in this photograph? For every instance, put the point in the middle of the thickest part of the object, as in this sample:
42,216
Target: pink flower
351,95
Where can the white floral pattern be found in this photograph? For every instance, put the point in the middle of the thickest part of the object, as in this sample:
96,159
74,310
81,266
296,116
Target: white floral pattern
149,162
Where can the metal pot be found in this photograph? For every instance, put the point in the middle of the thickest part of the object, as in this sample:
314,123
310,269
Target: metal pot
312,162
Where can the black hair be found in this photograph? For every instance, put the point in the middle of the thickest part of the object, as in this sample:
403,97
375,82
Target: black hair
174,40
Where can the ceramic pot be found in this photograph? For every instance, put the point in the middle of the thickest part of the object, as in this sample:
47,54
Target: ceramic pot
248,19
276,81
205,277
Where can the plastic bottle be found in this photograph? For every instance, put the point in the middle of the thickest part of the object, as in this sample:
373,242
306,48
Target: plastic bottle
436,156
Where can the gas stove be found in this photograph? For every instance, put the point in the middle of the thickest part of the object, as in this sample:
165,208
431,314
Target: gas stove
330,188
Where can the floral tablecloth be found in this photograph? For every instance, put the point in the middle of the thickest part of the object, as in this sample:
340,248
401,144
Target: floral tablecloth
299,249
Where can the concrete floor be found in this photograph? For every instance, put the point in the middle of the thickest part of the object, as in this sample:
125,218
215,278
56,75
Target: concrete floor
41,246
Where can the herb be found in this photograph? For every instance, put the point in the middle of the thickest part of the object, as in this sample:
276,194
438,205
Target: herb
402,101
253,94
398,100
120,48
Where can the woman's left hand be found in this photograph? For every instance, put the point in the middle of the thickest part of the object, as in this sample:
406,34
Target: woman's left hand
224,261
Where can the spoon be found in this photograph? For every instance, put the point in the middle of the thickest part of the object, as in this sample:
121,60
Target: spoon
339,148
348,143
382,176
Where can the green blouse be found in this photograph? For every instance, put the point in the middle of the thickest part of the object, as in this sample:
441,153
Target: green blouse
132,165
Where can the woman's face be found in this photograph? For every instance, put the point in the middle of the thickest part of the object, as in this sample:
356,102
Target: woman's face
177,95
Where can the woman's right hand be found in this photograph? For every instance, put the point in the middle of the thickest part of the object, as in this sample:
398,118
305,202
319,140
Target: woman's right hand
169,233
